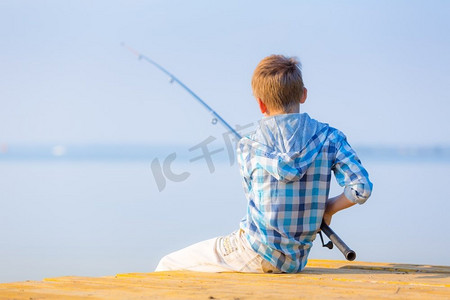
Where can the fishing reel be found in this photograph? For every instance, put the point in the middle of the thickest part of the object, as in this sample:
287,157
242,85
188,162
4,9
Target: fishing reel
328,245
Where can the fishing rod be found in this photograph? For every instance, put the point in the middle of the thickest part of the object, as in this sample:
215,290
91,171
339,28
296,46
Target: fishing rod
334,238
216,116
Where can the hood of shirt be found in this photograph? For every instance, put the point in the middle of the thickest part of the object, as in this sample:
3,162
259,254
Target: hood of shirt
286,145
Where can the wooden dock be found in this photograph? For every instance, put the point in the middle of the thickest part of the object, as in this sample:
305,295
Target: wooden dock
322,279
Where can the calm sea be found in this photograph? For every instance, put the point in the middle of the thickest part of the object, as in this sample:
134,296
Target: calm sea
93,217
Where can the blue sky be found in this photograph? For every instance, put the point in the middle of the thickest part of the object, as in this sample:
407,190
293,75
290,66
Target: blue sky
377,70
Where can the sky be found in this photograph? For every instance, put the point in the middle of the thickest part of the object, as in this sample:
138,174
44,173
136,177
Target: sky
377,70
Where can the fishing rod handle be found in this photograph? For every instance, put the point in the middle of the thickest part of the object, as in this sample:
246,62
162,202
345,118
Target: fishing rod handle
348,253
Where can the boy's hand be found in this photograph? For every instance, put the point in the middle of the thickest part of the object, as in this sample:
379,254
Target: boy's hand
327,218
334,205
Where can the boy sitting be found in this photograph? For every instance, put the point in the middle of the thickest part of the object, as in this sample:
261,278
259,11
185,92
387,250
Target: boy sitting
286,167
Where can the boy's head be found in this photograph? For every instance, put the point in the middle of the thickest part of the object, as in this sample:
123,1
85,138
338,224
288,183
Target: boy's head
277,84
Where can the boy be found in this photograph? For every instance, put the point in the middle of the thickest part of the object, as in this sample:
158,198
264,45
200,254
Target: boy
286,167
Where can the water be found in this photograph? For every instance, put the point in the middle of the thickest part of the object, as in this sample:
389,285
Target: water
92,218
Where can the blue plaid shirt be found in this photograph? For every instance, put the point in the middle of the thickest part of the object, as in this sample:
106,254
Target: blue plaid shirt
286,167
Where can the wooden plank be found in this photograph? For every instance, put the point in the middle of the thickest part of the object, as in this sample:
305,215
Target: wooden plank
321,279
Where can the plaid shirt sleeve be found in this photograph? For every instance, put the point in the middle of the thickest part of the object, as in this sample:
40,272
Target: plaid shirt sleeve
350,173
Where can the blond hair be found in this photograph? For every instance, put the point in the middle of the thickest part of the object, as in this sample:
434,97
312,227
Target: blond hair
278,82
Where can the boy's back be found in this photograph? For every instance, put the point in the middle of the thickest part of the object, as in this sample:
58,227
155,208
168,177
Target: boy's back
286,166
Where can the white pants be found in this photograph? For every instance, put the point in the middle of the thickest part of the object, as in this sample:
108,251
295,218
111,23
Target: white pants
221,254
